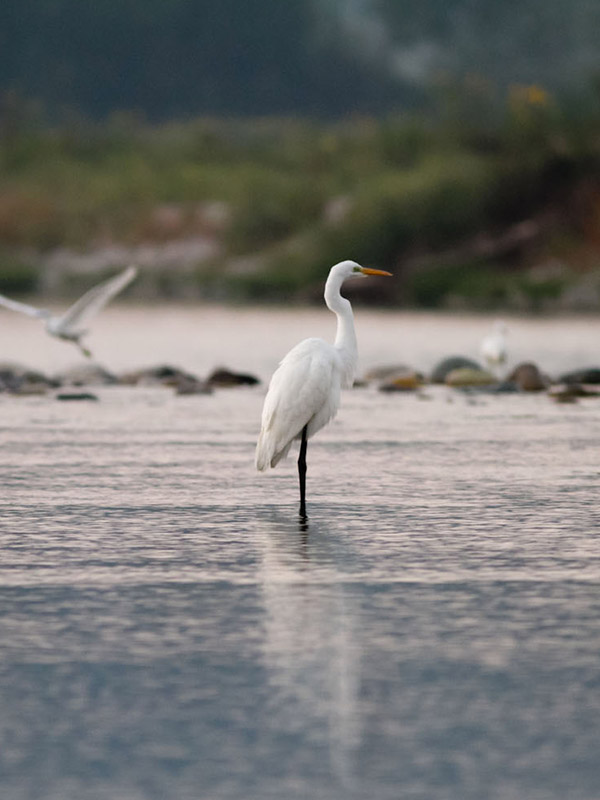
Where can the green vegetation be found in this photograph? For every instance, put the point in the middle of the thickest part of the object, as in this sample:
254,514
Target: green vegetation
438,201
17,277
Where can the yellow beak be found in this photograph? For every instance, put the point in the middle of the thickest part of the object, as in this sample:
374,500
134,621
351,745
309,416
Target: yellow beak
367,271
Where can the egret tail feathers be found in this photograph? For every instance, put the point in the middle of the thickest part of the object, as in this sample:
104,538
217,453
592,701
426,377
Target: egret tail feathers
266,454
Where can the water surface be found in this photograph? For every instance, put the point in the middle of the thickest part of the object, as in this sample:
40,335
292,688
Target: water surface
169,630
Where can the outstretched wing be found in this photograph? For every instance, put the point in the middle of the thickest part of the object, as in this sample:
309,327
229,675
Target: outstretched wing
75,318
23,308
304,390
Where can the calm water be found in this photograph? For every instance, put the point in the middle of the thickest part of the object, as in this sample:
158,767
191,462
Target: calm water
168,631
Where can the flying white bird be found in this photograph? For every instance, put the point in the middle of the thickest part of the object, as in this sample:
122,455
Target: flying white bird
304,392
493,346
71,325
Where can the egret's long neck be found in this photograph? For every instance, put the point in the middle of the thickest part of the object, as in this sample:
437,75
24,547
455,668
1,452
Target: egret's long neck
345,338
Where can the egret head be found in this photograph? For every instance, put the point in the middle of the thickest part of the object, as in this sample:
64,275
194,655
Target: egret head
350,269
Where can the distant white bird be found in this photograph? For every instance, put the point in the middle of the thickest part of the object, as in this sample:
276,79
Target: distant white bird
70,326
304,392
493,346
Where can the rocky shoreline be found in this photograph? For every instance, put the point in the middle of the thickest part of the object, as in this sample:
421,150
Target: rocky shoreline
455,372
20,381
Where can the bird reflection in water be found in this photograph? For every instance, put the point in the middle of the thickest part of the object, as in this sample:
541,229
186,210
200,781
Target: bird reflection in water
310,646
303,528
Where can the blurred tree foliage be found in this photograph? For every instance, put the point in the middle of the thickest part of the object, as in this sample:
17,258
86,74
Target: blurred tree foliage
326,58
456,207
168,58
138,122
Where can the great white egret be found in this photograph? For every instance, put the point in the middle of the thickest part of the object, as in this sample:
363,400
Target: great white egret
493,346
70,325
304,393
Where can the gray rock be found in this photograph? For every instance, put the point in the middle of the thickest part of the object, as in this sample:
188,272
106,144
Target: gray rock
467,376
406,381
162,375
224,378
528,378
445,366
587,375
570,392
564,397
30,388
69,396
87,375
17,379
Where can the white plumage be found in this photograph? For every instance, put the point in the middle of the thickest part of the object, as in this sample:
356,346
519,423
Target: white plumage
304,392
70,326
493,346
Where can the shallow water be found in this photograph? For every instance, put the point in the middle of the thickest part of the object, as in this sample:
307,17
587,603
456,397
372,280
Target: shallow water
169,630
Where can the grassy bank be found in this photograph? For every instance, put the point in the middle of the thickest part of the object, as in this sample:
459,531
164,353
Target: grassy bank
473,210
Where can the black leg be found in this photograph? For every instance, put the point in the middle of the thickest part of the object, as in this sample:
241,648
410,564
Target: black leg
302,474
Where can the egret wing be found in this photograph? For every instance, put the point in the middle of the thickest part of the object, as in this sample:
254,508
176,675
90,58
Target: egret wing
23,308
74,319
304,390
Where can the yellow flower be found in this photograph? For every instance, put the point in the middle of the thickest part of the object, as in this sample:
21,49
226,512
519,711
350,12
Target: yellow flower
523,96
536,96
